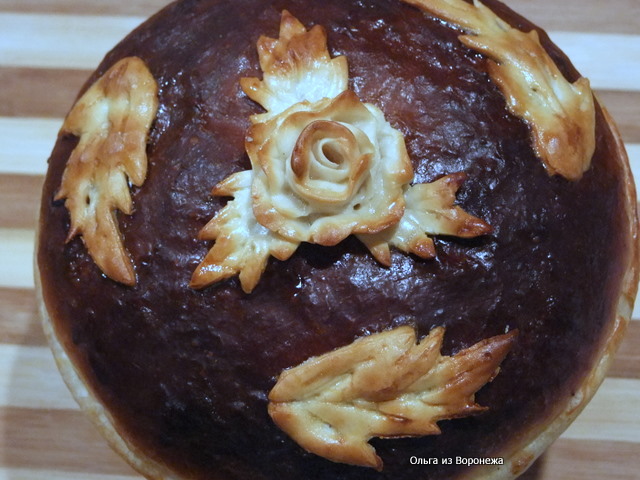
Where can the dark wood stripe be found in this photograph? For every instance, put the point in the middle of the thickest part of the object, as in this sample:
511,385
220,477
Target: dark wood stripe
55,440
38,92
613,16
19,320
90,7
625,110
570,459
626,363
19,200
619,16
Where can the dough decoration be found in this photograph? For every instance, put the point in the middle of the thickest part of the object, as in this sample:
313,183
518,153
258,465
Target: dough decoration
383,385
325,165
112,120
560,114
296,67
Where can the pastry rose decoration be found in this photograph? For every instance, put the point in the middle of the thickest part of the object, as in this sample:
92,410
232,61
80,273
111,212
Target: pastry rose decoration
325,165
327,169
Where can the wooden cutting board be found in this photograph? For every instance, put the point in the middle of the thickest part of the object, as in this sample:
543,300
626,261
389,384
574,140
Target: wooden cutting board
47,50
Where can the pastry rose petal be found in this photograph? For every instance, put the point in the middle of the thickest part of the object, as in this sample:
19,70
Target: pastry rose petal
325,165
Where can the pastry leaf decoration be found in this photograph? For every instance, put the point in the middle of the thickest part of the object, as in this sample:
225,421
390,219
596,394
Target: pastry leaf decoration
560,114
112,120
242,246
430,210
296,67
384,385
325,165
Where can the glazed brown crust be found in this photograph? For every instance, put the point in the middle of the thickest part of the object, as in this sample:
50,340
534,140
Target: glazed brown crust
551,238
520,455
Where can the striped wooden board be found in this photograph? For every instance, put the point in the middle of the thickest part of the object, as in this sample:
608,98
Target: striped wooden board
47,50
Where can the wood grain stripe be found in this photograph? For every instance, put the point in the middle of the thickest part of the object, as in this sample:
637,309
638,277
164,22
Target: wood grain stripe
571,15
48,474
142,8
15,133
16,252
633,150
19,320
39,92
614,410
624,107
29,378
636,306
626,363
60,41
608,73
59,440
570,459
19,200
16,258
619,16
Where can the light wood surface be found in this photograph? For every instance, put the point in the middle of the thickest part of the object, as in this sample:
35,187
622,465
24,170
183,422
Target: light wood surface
47,50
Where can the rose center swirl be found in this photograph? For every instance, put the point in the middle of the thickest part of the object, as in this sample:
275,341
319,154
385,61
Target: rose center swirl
329,162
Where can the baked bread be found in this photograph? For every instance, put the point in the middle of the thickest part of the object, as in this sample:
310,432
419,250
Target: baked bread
336,240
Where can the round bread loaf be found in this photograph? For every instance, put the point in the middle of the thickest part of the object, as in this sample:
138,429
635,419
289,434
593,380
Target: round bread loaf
178,368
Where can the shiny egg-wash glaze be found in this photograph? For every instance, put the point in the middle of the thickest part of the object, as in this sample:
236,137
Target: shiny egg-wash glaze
186,373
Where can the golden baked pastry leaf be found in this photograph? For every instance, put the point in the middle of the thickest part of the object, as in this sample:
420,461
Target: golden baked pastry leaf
324,167
296,67
242,246
384,385
112,120
430,210
561,114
